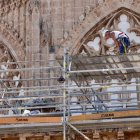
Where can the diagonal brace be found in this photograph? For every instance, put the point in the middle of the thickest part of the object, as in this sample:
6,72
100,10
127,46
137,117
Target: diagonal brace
79,132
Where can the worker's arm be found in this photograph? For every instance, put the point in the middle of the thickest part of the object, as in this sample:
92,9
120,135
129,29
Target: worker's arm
116,48
116,43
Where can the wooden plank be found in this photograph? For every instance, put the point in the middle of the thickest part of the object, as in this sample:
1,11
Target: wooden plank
107,115
20,120
99,116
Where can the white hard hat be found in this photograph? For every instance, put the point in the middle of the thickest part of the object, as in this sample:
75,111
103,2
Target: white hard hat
104,31
26,112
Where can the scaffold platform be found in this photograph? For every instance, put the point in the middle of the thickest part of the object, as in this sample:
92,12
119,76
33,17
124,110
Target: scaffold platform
85,97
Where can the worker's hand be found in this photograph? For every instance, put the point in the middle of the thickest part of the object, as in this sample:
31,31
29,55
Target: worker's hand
116,50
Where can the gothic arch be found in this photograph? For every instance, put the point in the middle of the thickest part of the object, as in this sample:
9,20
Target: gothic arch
95,17
8,5
12,50
12,41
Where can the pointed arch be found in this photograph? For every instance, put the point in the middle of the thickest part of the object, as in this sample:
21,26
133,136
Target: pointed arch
12,51
94,19
10,38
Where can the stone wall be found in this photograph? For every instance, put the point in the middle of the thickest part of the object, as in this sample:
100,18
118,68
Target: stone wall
59,22
106,135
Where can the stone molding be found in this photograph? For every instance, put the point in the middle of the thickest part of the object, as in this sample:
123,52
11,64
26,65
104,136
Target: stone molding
7,6
11,38
33,4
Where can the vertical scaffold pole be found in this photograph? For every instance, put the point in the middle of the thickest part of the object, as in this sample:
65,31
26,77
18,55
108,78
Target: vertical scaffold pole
64,96
68,68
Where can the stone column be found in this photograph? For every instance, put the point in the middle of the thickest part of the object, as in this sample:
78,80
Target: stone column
10,17
105,138
36,41
16,22
51,72
28,74
120,135
35,29
22,137
22,21
138,89
47,138
96,136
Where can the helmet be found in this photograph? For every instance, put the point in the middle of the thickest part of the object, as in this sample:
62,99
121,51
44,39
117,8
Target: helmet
104,32
26,112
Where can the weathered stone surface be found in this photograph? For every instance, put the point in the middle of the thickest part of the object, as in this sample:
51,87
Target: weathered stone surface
29,28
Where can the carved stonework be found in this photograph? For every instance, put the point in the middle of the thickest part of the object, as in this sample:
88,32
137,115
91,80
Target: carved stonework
8,5
120,135
45,38
9,79
96,136
106,13
122,20
33,4
12,36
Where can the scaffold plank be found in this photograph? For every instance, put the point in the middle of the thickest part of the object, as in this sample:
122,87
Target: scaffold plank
40,119
29,119
106,67
106,115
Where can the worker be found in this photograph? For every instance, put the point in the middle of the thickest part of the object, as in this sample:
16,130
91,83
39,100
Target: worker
120,39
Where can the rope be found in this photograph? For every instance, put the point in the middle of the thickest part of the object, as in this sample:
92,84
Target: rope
124,46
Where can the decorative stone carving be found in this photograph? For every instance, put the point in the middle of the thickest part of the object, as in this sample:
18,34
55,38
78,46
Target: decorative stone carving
6,60
13,37
120,135
16,77
8,5
87,10
100,1
123,24
45,34
96,136
10,79
66,35
33,4
83,53
81,17
116,8
123,21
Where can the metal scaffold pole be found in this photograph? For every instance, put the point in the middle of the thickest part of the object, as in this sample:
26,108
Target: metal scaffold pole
79,132
64,96
68,68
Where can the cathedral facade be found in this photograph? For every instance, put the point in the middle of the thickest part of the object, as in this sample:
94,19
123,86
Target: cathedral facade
32,32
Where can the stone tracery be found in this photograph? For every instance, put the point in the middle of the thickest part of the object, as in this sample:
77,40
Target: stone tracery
13,37
102,12
91,40
7,5
9,79
7,62
121,21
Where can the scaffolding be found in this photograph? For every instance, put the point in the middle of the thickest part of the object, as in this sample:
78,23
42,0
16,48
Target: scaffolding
83,69
84,88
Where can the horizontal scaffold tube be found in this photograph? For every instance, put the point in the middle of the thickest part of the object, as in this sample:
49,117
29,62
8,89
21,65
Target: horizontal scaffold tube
28,69
95,85
103,70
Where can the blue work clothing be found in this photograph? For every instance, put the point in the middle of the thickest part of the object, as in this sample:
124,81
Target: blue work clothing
124,44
